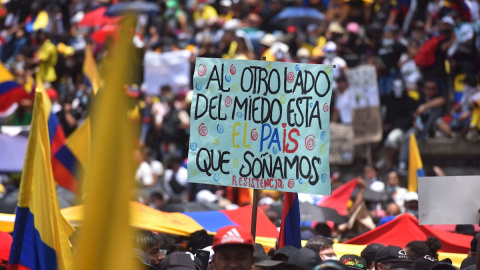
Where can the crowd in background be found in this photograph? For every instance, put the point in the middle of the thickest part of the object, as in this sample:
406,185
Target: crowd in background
426,54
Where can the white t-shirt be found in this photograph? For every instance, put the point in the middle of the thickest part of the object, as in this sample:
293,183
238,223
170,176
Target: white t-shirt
181,177
410,72
344,106
339,65
144,174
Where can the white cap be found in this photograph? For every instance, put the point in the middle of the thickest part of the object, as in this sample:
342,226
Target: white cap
268,40
303,52
330,47
206,196
411,196
266,200
448,20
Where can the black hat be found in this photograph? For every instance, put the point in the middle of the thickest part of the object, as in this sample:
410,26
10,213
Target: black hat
331,265
473,244
401,266
353,262
427,262
262,259
177,260
368,253
304,258
467,262
285,251
391,254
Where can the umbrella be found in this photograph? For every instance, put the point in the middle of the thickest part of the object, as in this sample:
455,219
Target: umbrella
12,154
298,16
311,212
97,17
191,207
132,7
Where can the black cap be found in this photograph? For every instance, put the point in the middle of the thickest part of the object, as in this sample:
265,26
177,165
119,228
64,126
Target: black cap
283,251
401,266
354,262
368,253
178,260
262,259
304,258
473,244
391,254
467,262
427,262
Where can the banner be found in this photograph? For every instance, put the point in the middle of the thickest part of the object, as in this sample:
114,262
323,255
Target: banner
342,149
367,119
259,124
169,68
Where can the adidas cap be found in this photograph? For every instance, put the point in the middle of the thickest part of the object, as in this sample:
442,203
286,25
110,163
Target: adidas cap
232,235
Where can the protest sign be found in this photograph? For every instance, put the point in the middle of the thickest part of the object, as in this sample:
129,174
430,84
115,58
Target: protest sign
261,125
448,200
365,100
362,81
367,125
342,149
169,68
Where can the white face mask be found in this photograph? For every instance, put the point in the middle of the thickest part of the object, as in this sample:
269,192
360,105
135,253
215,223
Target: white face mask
332,258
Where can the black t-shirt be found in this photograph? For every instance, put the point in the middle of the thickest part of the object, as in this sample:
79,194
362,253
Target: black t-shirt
390,56
400,112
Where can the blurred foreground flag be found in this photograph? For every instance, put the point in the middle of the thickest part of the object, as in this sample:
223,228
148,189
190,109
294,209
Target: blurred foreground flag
340,197
40,236
290,228
105,239
415,166
90,69
68,163
10,92
38,22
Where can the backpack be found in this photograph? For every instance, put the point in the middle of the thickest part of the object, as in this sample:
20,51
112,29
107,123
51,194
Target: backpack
426,54
170,131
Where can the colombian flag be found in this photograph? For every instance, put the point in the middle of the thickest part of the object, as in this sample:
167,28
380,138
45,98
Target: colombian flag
290,228
10,92
415,166
40,236
38,22
68,163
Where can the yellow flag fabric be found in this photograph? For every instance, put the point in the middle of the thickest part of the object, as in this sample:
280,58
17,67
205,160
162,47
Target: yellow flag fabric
90,69
415,166
40,233
105,239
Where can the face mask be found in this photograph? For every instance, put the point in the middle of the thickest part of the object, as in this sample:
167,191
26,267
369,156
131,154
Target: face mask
388,42
330,56
333,258
84,100
391,189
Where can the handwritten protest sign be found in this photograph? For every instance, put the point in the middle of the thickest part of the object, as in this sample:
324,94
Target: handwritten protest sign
262,125
169,68
362,81
367,121
342,149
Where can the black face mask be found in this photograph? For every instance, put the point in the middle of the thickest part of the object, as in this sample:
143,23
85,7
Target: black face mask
447,32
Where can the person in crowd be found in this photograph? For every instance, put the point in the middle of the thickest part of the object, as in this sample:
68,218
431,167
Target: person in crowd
389,255
283,253
411,203
368,253
233,247
370,172
323,246
176,185
147,248
395,191
343,102
303,259
392,211
353,262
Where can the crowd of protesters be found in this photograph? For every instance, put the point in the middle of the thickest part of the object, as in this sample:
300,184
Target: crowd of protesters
426,54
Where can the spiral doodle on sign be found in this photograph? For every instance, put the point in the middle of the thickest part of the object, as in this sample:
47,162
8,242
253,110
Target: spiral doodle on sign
198,86
328,70
291,183
228,101
311,104
300,181
216,141
239,114
194,172
228,78
254,134
323,135
324,178
304,187
283,99
202,70
274,150
310,142
235,87
290,77
325,107
212,89
269,66
193,146
297,67
235,163
202,129
220,129
216,177
233,70
323,150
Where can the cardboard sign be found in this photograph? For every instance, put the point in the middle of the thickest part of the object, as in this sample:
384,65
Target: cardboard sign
342,149
448,200
170,68
262,125
367,125
362,81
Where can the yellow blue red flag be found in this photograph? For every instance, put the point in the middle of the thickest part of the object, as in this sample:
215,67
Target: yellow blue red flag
415,166
40,236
